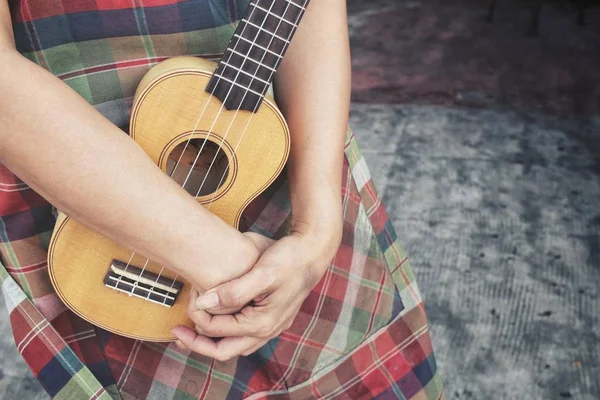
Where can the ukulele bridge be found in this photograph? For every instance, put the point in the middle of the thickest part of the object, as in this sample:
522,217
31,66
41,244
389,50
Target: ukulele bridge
144,284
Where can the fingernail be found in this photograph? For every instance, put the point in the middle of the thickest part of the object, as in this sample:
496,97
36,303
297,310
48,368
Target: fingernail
207,300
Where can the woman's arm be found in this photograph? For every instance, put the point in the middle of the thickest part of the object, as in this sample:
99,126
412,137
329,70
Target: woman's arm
6,33
78,160
312,88
313,91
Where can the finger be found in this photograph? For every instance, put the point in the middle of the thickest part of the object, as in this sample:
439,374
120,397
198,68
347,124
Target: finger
222,350
246,323
192,310
197,343
238,292
200,331
255,348
199,317
229,348
209,325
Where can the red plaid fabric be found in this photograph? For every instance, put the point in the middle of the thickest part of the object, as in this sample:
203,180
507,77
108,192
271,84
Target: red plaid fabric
362,332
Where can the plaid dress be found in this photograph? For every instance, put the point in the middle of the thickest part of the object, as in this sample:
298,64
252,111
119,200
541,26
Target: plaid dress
362,332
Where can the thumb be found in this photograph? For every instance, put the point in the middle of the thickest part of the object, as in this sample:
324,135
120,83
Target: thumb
236,293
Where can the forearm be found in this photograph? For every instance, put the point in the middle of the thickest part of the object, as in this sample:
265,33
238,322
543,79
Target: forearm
313,91
87,167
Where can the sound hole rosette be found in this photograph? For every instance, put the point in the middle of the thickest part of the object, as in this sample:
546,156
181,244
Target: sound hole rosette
215,139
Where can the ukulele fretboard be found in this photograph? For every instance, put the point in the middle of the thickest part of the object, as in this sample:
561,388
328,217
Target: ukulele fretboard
255,51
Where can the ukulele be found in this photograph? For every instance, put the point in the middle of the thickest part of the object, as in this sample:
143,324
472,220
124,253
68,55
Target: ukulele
216,131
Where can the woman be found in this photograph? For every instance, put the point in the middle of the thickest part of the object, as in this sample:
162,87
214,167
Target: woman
351,328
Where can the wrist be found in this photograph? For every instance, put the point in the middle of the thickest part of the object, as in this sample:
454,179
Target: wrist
321,237
218,253
225,265
317,219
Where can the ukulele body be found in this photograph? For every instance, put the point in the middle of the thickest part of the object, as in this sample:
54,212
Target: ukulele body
85,266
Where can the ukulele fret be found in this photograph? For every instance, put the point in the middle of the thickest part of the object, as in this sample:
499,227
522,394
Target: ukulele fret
244,72
251,59
262,36
258,45
237,84
260,28
295,4
273,14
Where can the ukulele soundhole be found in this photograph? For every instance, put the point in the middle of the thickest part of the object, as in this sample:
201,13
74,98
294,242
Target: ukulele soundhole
199,166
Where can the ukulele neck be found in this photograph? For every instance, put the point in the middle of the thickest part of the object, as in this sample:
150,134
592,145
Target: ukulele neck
254,53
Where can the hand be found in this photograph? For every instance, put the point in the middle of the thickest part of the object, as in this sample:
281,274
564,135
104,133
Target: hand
260,244
270,296
241,258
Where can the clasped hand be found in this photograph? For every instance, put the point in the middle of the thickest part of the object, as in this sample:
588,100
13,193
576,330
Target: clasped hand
245,313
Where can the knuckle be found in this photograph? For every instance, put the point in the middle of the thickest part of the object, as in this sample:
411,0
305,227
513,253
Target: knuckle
214,331
231,298
193,315
205,326
265,330
205,331
250,314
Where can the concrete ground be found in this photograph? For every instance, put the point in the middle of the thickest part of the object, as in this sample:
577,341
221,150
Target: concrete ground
499,213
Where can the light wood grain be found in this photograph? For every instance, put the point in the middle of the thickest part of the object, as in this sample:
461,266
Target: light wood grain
166,111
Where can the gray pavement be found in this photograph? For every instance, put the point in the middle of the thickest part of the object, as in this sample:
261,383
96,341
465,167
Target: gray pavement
500,213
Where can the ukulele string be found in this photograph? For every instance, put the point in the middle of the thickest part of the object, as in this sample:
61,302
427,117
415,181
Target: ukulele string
219,113
243,97
257,106
254,76
225,99
238,108
190,136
